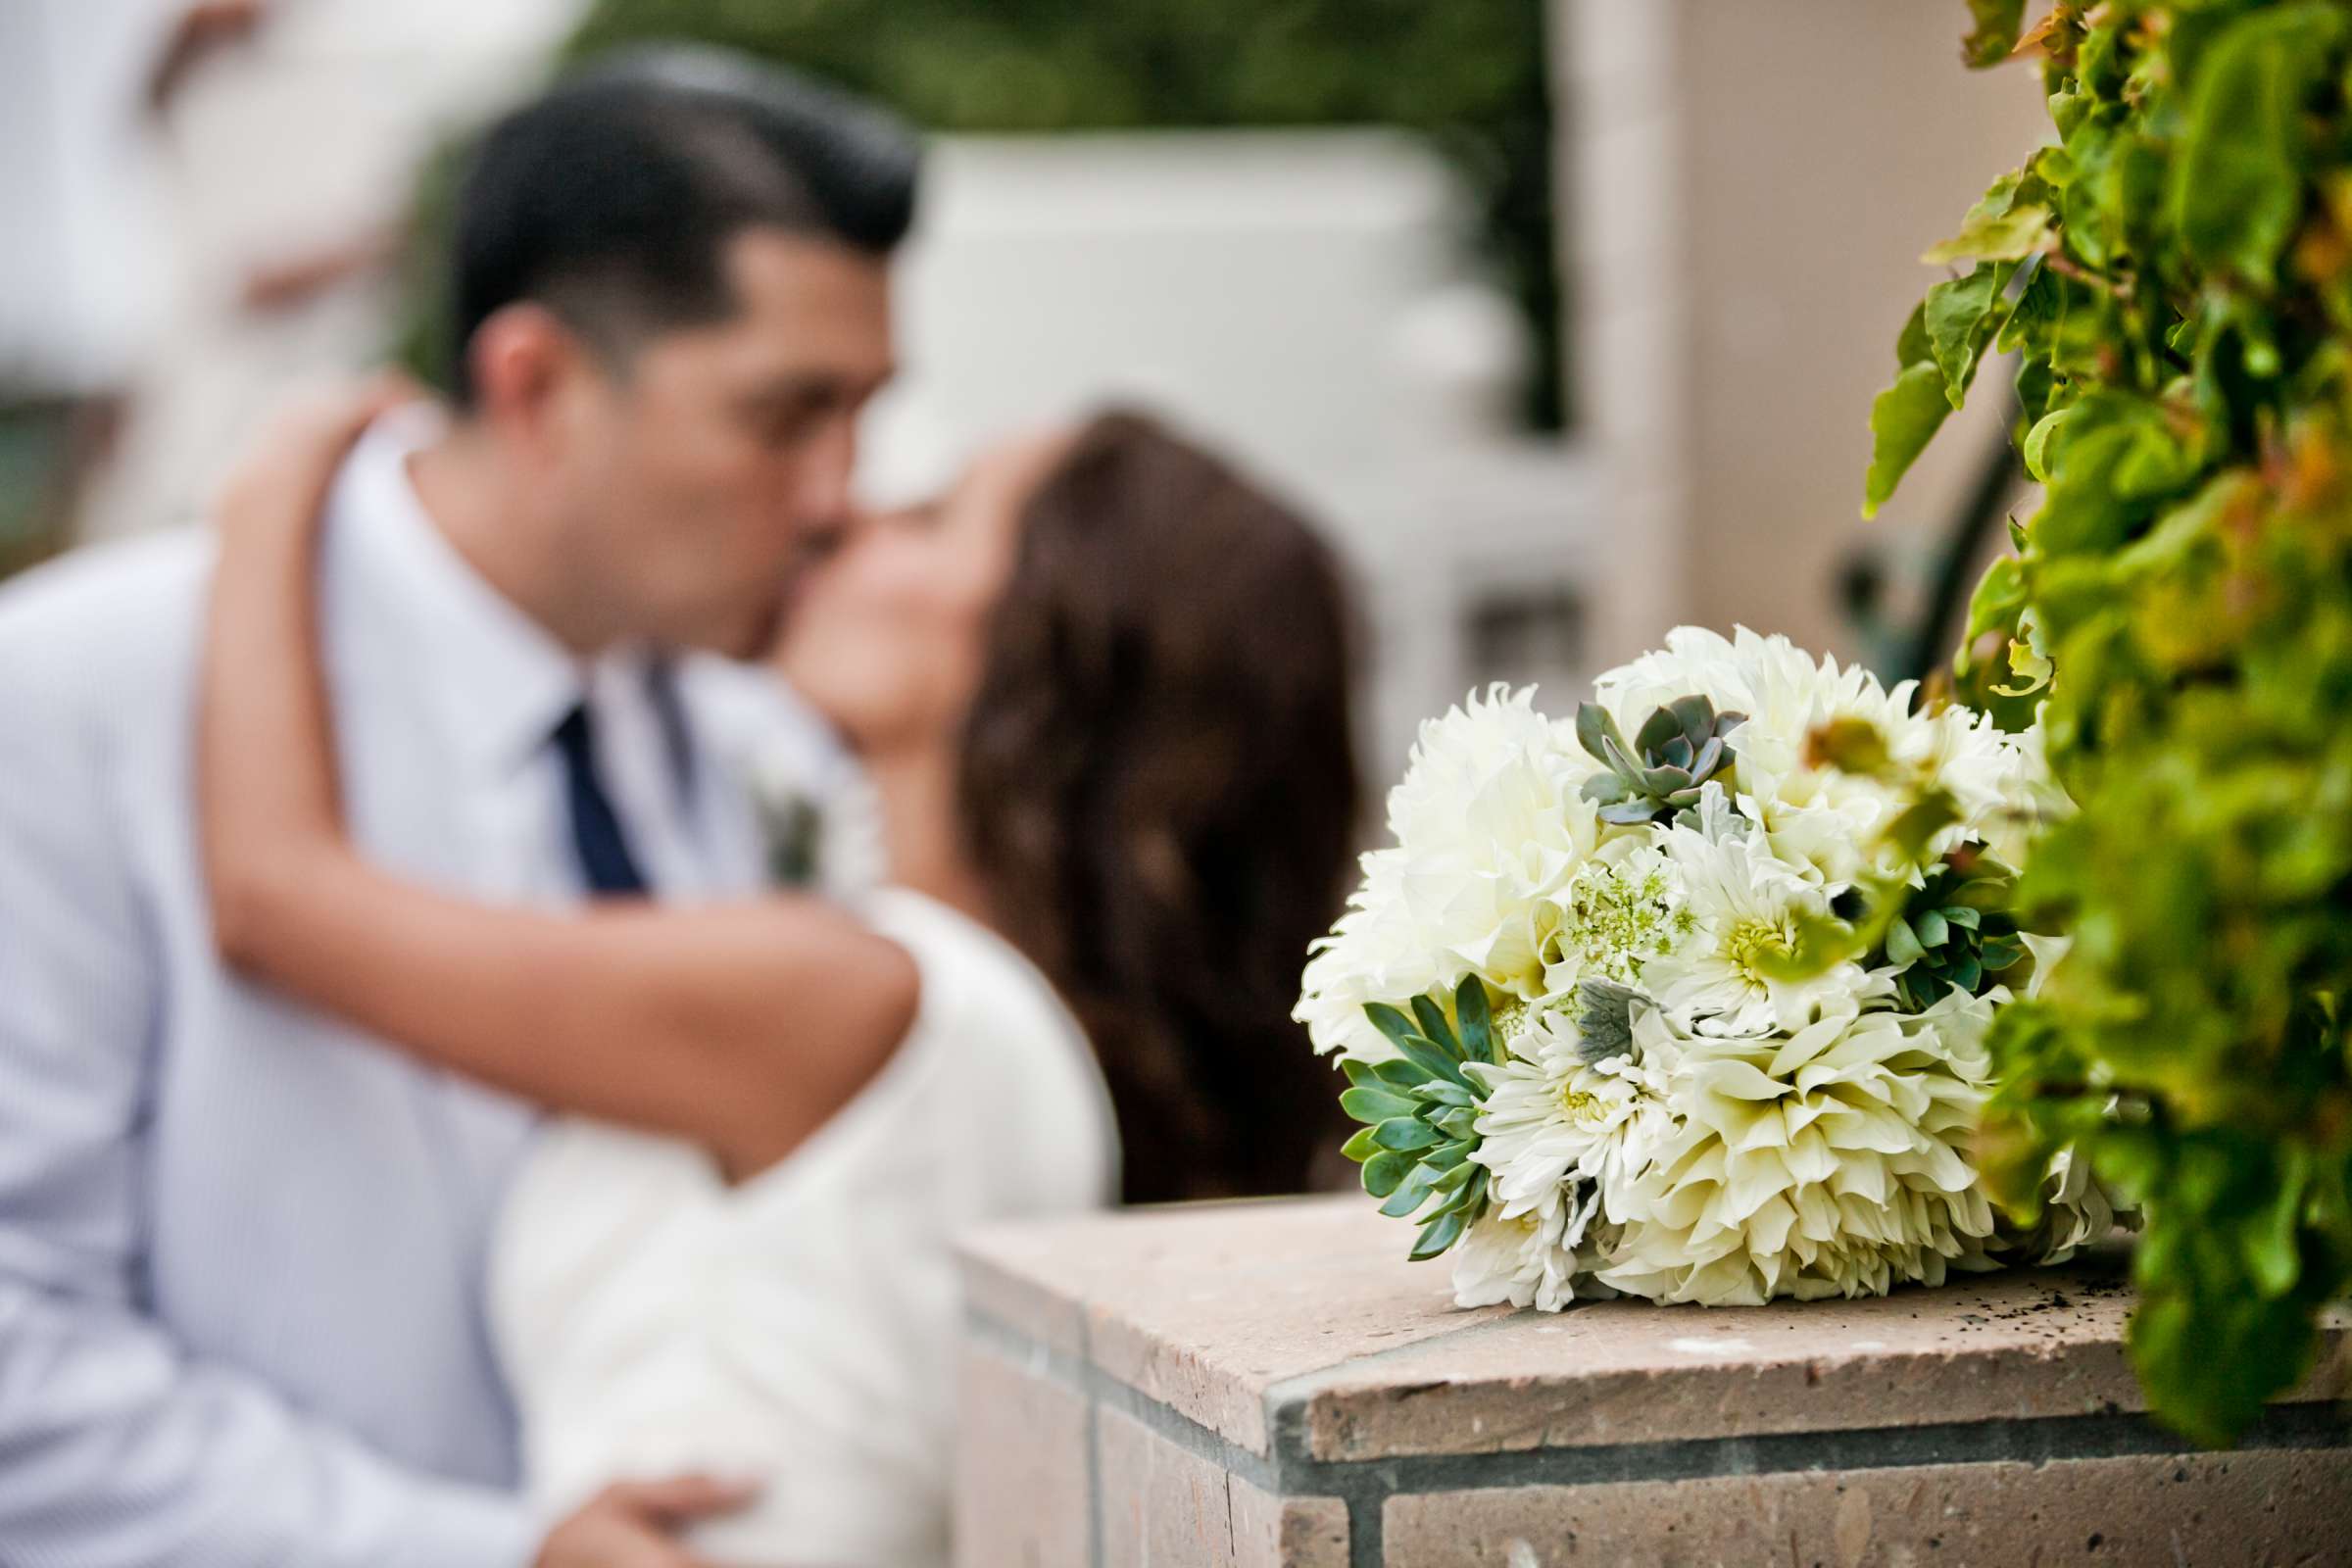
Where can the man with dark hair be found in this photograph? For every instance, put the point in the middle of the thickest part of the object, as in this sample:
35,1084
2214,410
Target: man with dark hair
241,1250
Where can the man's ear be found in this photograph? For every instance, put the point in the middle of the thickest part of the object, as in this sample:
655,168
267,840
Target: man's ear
523,359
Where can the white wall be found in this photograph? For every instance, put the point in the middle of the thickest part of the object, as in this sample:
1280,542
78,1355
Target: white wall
1298,299
1749,188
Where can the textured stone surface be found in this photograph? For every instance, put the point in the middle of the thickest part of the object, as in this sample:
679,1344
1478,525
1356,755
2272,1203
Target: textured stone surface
1221,1311
2210,1510
1204,1307
1607,1372
1165,1507
1021,1466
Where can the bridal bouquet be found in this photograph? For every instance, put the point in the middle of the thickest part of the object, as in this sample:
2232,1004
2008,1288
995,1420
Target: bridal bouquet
1686,998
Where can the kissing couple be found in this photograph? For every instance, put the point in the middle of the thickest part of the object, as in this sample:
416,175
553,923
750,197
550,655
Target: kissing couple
430,1135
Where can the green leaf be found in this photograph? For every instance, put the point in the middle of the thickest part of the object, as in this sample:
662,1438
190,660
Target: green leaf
1447,1156
1606,789
1472,1012
2037,308
1902,948
2011,236
1913,347
1437,1092
2273,1237
1388,1021
1454,1178
1405,1134
1474,1197
1961,317
1928,928
1997,24
1384,1171
2034,449
1902,421
2237,188
1438,1234
1595,729
1470,1198
2000,595
1362,1146
1411,1194
1377,1105
1999,953
1919,822
1433,1062
1434,1026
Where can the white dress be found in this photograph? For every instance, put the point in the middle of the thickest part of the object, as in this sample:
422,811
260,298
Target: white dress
799,1330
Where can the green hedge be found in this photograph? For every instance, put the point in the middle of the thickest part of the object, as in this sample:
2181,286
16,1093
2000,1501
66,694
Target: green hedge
1469,73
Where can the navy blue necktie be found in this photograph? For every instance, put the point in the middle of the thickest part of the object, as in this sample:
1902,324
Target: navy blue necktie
606,863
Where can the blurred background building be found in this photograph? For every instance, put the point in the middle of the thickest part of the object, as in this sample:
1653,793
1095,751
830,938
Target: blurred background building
1566,318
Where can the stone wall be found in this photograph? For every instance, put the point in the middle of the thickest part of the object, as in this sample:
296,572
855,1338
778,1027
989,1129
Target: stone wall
1263,1385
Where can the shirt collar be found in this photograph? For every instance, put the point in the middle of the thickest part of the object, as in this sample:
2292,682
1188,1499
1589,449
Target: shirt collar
500,681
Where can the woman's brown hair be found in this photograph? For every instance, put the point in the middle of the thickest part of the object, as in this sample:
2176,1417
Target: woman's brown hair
1159,786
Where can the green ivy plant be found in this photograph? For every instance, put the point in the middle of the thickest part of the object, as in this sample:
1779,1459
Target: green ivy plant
2174,272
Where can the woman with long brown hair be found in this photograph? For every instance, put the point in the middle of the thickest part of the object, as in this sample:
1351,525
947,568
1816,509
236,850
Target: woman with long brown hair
1101,691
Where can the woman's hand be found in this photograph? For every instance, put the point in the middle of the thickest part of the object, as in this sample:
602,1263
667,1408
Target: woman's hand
278,488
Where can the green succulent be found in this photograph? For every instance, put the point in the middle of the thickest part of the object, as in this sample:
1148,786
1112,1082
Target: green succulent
1420,1112
1955,933
1604,1019
1679,748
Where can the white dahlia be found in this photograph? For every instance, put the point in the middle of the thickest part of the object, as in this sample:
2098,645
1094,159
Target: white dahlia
2077,1209
1830,1162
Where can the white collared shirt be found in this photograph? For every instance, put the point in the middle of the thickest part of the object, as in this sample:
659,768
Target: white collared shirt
241,1246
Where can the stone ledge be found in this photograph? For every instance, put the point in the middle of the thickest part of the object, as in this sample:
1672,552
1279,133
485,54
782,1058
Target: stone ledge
1311,1398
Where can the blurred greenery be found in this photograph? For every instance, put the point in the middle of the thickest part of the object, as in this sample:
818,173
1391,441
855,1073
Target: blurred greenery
36,450
2176,274
1470,74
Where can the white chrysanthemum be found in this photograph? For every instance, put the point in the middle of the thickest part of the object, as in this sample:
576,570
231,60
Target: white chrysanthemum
1490,824
1553,1120
1742,907
1831,1162
1520,1259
